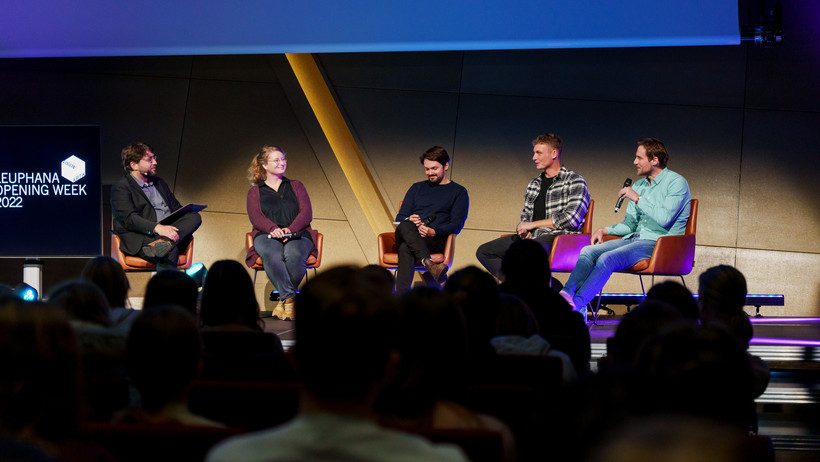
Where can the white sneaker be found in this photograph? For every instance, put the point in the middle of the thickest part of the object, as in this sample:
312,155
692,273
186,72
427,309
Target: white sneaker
568,298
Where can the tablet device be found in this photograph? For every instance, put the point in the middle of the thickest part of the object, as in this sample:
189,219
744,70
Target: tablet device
182,211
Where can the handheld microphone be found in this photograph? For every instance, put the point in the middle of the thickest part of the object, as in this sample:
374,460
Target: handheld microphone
627,182
285,236
425,222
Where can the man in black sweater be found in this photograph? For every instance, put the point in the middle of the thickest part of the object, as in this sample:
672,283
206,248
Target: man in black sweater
431,211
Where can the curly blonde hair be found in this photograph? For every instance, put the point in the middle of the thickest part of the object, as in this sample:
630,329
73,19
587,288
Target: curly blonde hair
256,172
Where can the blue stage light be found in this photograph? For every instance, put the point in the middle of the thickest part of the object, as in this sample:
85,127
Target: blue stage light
26,292
197,271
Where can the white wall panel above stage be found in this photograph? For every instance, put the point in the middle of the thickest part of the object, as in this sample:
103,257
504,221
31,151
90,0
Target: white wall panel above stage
494,135
778,207
396,127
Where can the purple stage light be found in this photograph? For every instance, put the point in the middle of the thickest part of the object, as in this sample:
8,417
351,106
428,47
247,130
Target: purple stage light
783,341
782,320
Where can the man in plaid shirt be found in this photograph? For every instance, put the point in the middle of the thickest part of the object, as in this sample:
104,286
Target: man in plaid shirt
555,203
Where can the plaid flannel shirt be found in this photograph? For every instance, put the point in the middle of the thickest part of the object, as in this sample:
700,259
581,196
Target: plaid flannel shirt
567,202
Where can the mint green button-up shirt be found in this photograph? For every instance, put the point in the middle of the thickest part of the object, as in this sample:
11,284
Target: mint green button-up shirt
662,210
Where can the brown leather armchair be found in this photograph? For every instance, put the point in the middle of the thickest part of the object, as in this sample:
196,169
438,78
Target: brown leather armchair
131,263
389,257
673,255
567,247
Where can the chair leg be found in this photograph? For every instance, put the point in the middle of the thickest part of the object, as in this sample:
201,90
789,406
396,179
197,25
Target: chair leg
597,308
640,277
255,272
307,273
682,281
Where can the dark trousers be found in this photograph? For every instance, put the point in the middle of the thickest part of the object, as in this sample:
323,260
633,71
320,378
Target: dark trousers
491,253
186,225
411,247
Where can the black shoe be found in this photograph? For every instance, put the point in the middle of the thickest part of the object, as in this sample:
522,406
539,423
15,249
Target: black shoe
274,296
157,249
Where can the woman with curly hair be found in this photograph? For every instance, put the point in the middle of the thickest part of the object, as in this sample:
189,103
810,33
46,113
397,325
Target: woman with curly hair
280,212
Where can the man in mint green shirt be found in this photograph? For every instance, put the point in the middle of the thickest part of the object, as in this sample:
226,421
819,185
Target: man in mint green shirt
658,206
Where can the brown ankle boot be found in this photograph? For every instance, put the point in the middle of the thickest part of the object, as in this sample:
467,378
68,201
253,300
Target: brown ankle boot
279,311
290,314
437,270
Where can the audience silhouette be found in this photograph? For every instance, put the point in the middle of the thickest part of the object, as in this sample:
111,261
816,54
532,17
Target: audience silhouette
172,288
228,299
40,399
431,381
722,296
346,335
528,276
367,362
676,295
163,358
102,344
107,274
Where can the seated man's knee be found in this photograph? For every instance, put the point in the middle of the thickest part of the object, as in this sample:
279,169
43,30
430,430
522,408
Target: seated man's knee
482,251
608,261
405,227
586,252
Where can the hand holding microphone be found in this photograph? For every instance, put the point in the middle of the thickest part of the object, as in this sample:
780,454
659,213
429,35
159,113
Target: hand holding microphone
424,231
627,183
281,233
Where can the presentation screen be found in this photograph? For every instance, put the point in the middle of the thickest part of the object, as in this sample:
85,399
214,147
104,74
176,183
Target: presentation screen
37,28
50,195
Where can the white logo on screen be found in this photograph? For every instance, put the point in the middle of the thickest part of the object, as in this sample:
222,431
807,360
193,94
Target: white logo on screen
72,169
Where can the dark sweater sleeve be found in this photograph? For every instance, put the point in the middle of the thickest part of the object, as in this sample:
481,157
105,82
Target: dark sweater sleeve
408,204
305,215
458,214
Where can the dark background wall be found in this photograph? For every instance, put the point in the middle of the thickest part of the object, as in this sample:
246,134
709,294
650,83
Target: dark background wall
740,122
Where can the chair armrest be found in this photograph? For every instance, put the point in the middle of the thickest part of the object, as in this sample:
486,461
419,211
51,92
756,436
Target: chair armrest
319,244
673,256
387,244
116,253
449,248
565,251
189,255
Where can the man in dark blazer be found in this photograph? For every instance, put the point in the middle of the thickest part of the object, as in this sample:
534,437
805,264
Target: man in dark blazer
139,201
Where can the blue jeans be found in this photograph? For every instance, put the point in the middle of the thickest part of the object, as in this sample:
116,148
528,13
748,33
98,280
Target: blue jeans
284,262
597,263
